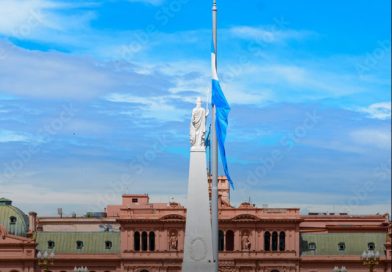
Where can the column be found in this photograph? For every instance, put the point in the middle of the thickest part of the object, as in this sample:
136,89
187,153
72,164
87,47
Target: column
261,240
237,240
130,240
224,241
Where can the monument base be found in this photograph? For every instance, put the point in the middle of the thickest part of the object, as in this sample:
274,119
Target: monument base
198,237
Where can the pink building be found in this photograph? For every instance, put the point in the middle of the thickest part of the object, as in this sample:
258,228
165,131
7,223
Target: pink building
140,236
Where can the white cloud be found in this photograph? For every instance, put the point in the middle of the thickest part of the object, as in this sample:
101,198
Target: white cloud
58,76
28,19
157,107
380,138
7,136
151,2
311,201
268,35
380,110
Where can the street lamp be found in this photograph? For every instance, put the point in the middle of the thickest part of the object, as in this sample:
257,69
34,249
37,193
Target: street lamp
370,259
45,260
81,269
342,269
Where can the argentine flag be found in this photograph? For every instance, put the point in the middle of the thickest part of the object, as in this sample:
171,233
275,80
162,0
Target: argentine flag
222,114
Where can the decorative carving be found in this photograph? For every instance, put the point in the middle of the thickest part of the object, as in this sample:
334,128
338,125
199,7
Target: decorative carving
227,269
198,126
245,242
173,240
227,266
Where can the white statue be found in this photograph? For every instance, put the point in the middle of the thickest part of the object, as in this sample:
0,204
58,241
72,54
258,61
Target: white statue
198,126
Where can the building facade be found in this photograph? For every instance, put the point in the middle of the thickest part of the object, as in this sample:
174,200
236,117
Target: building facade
140,236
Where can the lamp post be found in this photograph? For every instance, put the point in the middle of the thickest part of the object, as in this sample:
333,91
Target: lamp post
370,259
81,269
342,269
45,260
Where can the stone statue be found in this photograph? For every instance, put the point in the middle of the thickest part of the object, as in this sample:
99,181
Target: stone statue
173,241
198,126
246,244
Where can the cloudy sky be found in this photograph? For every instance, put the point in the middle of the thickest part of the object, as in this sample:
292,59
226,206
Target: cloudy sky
95,101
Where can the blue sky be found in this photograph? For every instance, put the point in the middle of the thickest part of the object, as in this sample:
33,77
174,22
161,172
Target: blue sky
95,101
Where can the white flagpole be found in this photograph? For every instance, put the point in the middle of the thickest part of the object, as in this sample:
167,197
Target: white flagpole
214,170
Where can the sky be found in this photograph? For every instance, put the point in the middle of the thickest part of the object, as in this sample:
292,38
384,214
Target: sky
96,100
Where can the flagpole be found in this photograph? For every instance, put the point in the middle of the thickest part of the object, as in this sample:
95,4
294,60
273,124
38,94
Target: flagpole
214,156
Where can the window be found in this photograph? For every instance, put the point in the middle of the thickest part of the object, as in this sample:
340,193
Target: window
282,241
267,240
135,200
312,246
221,240
136,241
51,244
341,246
79,245
151,238
13,220
108,244
144,241
371,246
274,241
229,240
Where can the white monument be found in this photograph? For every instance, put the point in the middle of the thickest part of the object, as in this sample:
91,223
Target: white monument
198,255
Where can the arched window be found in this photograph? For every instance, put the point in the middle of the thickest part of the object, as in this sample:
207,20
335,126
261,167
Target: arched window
274,241
13,220
371,246
108,244
144,241
342,246
151,238
229,240
282,241
312,246
221,240
79,245
51,244
136,241
267,241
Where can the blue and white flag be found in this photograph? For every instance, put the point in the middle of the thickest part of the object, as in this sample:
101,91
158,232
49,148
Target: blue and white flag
222,114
